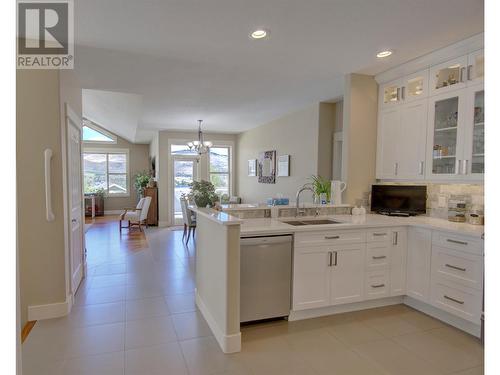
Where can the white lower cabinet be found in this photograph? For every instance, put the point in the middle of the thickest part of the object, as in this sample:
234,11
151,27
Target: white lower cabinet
399,255
311,277
347,274
419,263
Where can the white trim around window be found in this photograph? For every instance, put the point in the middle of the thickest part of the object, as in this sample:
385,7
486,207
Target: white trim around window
107,152
230,171
92,125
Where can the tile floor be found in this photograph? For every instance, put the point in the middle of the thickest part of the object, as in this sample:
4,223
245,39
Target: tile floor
135,315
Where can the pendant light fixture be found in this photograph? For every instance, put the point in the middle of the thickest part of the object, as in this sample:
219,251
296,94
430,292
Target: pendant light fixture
200,145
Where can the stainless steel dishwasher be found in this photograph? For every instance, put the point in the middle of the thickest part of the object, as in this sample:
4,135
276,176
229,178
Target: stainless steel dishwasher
265,277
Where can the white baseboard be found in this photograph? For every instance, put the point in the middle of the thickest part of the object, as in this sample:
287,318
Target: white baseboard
52,310
228,343
113,212
348,307
444,316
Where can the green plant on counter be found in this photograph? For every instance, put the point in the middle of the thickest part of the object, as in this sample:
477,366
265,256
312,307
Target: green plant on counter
321,185
141,180
203,193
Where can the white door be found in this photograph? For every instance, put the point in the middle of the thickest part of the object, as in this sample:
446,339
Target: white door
473,159
311,278
348,274
399,251
185,171
448,76
75,200
387,142
445,132
411,138
419,264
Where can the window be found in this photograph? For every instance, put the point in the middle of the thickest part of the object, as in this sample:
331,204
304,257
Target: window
91,133
219,166
182,150
106,171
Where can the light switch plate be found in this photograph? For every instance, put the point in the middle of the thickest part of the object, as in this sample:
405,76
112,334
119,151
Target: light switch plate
442,201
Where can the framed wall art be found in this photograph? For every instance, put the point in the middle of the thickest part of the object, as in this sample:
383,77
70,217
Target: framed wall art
266,167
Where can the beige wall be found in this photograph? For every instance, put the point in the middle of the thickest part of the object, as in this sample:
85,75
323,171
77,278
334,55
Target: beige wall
306,135
327,113
40,96
164,165
138,162
360,135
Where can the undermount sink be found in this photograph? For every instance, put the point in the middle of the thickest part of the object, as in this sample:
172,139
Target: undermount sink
312,222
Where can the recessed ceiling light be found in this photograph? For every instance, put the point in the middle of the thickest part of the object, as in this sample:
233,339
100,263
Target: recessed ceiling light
259,34
384,53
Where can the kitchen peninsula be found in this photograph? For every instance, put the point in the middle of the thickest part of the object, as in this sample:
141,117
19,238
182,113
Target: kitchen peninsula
358,262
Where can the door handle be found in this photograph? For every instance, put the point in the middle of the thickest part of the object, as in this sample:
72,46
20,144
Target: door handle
457,166
464,166
379,257
403,92
330,258
456,241
421,166
335,258
73,220
462,74
380,234
398,94
395,238
453,300
332,237
469,73
396,169
378,286
49,214
455,267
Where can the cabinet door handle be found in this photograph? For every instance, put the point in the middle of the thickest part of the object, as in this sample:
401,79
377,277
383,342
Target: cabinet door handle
456,241
332,237
462,74
398,94
455,267
464,166
453,299
395,238
378,286
457,166
469,73
379,257
396,169
378,234
403,92
330,259
335,258
421,166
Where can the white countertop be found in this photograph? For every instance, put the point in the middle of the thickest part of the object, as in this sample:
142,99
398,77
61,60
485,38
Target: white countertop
220,217
252,227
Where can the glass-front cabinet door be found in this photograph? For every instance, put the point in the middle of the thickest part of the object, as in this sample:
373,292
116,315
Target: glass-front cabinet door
444,135
473,163
475,69
448,76
390,93
416,86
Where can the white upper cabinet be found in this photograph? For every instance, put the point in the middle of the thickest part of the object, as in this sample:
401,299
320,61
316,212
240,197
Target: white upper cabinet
473,157
390,93
475,69
415,86
401,141
448,76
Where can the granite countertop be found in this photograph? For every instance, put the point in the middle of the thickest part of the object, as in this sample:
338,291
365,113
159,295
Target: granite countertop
266,226
263,206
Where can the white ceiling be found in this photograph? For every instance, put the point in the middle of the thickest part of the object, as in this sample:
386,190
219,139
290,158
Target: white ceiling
192,59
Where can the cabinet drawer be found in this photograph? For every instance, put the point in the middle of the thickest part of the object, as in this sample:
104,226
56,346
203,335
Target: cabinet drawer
463,268
377,284
377,255
329,238
457,299
458,242
378,235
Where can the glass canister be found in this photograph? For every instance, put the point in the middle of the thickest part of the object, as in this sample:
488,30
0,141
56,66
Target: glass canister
457,208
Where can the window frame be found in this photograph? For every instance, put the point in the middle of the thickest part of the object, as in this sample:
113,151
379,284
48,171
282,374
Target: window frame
97,128
229,173
107,152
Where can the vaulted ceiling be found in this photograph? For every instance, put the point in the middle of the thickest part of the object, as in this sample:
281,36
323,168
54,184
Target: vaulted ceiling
184,60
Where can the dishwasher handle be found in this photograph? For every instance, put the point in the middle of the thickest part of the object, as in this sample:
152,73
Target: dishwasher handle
249,241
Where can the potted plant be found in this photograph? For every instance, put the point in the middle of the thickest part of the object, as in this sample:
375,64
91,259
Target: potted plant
141,180
203,193
321,186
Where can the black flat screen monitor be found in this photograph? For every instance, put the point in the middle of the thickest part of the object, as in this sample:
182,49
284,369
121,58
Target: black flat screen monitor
393,199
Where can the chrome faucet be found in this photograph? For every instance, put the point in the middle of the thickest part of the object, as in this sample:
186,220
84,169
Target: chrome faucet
298,211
